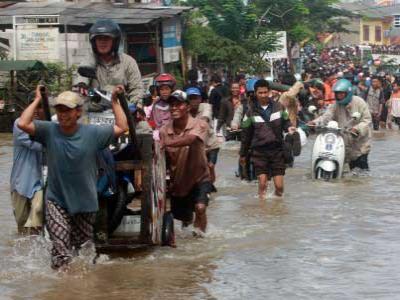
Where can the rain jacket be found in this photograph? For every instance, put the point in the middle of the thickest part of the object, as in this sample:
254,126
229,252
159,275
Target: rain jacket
355,147
123,70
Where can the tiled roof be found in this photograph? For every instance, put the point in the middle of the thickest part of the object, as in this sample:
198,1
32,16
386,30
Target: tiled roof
83,13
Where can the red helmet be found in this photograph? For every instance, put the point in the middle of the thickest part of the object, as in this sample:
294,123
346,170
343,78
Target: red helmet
165,79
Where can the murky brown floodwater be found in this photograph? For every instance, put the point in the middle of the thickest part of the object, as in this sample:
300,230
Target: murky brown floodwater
322,241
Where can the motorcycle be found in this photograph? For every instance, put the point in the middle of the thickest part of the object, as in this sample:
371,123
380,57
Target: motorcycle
328,155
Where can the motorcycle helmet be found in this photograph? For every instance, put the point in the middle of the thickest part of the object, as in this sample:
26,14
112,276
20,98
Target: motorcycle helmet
165,79
105,28
344,86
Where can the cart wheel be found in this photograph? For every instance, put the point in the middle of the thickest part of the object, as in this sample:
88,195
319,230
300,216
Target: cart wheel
167,234
120,205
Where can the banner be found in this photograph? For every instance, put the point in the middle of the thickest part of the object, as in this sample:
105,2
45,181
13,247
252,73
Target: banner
172,40
39,43
281,51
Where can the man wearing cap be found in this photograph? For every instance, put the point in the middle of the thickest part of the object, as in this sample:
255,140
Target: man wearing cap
71,197
203,111
184,139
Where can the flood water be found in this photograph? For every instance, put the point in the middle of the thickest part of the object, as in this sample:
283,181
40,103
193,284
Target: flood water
321,241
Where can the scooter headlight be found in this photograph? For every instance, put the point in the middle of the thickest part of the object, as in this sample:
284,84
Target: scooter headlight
330,139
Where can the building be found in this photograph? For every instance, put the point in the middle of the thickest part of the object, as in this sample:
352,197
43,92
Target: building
57,31
379,21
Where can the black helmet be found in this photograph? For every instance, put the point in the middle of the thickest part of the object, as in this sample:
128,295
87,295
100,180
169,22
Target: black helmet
108,28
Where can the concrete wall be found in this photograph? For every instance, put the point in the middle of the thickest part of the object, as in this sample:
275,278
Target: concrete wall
352,38
79,49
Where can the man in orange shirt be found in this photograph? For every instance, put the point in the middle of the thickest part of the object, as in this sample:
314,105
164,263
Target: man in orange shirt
329,82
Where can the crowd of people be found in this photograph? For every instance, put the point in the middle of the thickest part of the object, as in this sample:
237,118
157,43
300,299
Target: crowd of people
269,118
386,49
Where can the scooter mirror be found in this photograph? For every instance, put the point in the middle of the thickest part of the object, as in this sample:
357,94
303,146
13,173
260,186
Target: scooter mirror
312,109
87,71
356,115
333,125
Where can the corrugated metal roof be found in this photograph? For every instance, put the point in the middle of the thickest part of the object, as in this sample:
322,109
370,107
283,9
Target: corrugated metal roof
369,9
83,13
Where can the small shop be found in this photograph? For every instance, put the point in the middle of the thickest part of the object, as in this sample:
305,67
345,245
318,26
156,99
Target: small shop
151,33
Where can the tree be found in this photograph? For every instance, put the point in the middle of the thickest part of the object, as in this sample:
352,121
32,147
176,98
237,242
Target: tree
249,27
233,32
303,19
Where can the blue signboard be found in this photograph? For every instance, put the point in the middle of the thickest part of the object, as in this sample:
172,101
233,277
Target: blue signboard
172,39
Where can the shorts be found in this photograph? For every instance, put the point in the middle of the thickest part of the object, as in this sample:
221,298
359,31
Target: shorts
28,212
361,162
183,207
269,162
212,156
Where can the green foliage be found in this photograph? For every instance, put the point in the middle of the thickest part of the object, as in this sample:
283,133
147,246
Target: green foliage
56,78
239,33
3,53
232,37
303,19
176,72
203,41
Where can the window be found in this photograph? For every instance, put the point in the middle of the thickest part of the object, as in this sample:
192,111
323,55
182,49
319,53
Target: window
366,33
378,34
396,21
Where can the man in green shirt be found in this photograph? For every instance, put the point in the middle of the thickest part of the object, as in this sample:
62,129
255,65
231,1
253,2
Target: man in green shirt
71,197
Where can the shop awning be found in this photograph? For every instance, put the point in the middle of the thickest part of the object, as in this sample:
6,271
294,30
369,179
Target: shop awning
21,65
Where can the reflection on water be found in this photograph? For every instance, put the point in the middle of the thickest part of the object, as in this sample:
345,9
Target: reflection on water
328,240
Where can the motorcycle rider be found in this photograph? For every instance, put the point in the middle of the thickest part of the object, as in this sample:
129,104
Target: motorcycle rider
113,68
350,111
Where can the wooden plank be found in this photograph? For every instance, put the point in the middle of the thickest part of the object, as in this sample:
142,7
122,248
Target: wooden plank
128,165
146,146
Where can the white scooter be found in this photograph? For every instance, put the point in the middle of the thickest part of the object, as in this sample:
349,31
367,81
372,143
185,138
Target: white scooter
328,154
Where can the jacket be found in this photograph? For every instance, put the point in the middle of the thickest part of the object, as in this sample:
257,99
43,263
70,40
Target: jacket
226,112
259,132
216,96
123,70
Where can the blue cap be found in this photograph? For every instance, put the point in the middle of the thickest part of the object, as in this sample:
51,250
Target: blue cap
193,91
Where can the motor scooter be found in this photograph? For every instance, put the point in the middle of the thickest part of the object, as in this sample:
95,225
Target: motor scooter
329,150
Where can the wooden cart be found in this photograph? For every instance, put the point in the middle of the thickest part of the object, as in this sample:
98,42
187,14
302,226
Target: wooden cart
146,221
